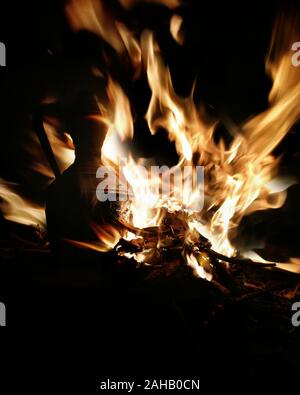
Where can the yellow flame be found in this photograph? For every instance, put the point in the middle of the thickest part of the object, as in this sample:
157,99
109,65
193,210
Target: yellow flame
175,28
18,209
198,269
97,17
107,235
62,147
94,16
119,119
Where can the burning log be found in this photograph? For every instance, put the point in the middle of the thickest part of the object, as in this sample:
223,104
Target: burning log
161,251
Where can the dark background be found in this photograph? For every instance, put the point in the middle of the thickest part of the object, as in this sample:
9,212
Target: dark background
65,328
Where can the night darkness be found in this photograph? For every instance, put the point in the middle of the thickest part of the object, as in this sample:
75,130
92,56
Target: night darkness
81,318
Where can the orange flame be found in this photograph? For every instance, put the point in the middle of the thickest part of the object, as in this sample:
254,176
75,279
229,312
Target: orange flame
108,237
175,28
17,209
239,178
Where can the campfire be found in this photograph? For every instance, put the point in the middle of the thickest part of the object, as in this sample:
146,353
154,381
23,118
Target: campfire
239,179
194,221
